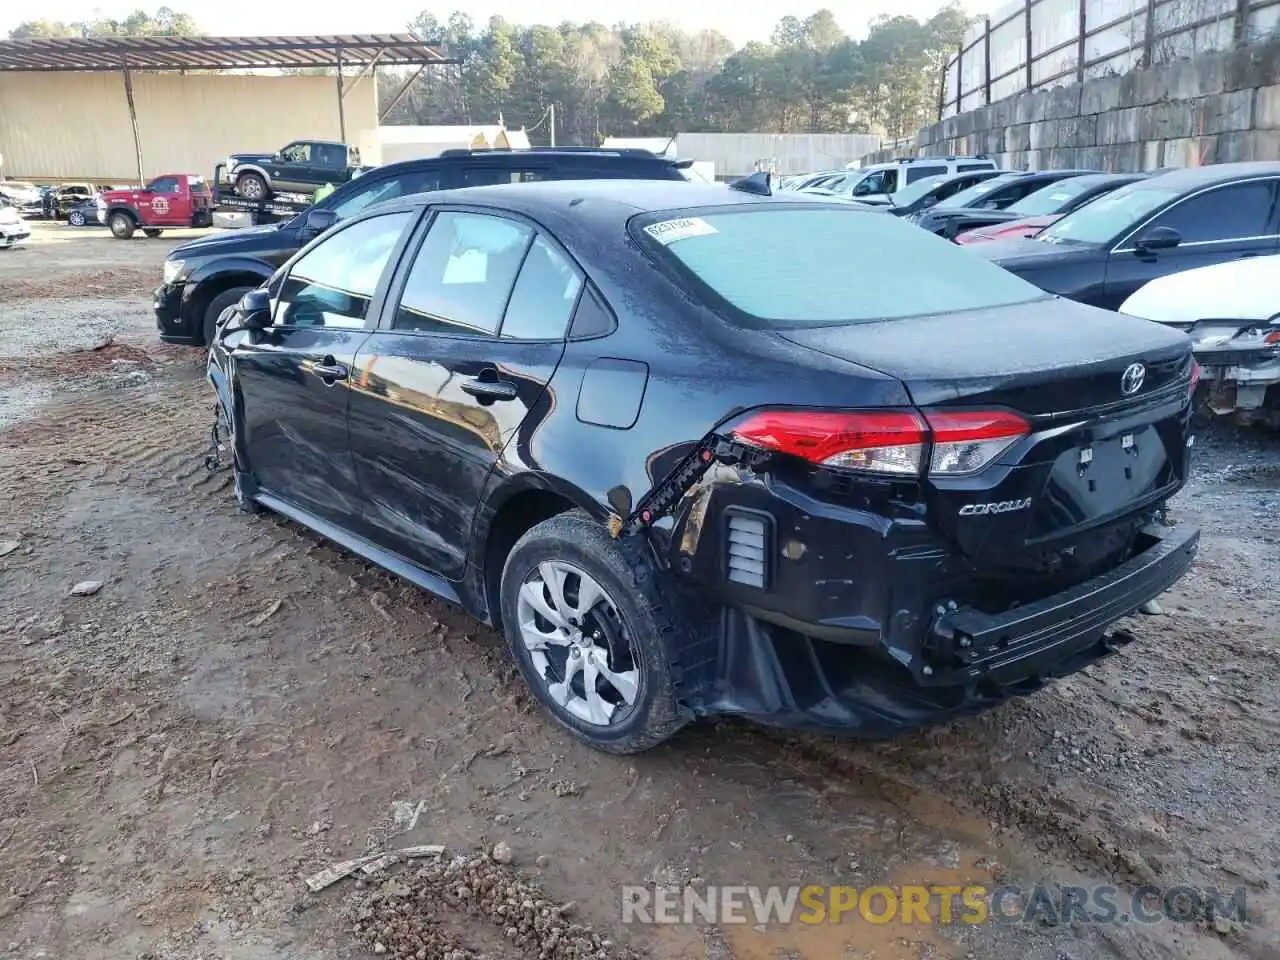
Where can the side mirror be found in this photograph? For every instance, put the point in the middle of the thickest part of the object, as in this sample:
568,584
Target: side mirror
255,310
1158,238
315,222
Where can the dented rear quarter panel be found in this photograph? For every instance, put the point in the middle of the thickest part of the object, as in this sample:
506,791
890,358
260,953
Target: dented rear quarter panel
702,372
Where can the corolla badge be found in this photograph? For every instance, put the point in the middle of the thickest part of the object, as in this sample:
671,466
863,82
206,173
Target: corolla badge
1000,506
1132,378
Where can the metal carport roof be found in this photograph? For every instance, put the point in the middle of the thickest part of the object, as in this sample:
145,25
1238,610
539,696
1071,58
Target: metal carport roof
219,53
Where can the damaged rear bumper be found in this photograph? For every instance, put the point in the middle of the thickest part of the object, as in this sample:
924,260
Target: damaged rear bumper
972,661
1238,379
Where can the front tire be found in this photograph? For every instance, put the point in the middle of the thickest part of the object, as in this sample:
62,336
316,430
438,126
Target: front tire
76,218
591,633
251,186
122,226
213,313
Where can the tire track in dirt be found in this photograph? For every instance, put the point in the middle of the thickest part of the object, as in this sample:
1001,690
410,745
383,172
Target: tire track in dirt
106,437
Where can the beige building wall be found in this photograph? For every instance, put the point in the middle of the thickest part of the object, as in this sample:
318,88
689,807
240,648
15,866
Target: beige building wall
75,126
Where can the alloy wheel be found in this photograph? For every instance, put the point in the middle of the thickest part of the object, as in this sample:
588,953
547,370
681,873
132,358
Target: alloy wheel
578,644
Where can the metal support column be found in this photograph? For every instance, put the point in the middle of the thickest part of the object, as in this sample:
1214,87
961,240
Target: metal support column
133,120
342,110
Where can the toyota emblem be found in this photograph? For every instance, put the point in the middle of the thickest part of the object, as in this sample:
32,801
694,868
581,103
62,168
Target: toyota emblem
1132,378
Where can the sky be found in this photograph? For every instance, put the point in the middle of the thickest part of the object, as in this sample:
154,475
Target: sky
739,21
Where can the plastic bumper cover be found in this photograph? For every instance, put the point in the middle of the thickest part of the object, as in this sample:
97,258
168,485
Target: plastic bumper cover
973,660
173,327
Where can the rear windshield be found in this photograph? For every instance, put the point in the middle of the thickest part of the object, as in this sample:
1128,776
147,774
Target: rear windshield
1053,198
784,267
909,195
970,196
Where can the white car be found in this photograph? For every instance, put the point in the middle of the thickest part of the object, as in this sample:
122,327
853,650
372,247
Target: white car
12,227
1231,312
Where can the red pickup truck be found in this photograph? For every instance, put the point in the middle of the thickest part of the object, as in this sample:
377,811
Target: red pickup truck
170,200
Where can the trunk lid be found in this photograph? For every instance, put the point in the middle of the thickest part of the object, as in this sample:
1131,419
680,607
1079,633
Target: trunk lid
1095,456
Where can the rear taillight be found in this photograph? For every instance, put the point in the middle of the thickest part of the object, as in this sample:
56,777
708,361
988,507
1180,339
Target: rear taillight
892,442
882,441
965,441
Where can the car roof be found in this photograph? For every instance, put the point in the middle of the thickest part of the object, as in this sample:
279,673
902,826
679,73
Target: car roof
617,200
921,161
1061,174
1094,178
505,157
1188,178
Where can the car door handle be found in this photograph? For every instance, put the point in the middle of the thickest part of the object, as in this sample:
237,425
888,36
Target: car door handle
485,389
330,372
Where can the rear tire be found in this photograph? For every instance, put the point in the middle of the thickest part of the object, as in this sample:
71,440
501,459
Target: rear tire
122,225
76,218
213,312
624,635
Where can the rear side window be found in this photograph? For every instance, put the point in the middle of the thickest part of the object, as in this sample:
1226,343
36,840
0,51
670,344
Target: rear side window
888,269
545,294
365,192
331,155
462,275
631,171
487,176
919,173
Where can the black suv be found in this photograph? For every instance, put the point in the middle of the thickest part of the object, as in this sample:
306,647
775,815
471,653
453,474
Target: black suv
204,277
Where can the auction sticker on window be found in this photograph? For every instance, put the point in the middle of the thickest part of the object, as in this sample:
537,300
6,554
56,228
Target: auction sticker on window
668,232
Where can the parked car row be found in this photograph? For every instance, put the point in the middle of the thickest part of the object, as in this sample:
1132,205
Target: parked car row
1103,238
572,409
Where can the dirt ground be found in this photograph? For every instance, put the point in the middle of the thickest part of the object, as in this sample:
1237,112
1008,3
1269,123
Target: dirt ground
241,704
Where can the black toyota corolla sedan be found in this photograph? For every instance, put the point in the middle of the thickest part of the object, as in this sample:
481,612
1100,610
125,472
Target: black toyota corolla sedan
688,469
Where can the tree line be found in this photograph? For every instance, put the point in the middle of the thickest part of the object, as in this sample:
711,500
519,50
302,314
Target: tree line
165,22
654,79
650,79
